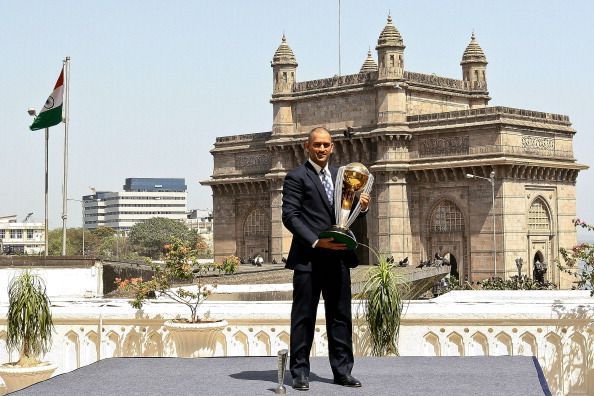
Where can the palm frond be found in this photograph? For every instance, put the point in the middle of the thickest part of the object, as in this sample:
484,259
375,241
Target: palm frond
29,317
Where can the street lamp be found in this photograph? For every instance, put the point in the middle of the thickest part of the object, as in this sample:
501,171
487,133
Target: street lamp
519,262
82,205
491,180
33,113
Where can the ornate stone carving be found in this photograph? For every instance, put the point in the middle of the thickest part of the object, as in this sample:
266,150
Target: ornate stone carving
253,161
538,143
449,145
337,81
431,79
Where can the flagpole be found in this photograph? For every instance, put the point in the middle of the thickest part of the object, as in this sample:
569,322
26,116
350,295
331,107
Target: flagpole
46,189
65,182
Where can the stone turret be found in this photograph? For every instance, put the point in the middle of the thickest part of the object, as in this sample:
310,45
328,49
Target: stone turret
390,52
474,64
369,64
284,67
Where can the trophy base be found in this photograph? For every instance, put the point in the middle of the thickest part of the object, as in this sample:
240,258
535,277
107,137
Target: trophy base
340,235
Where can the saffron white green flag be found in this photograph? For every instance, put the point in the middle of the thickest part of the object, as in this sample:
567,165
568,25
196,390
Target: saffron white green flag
51,114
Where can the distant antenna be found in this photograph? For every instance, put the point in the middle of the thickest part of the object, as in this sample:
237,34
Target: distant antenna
339,38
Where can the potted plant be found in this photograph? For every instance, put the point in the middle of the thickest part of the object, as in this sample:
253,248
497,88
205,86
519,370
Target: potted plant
382,304
194,336
30,329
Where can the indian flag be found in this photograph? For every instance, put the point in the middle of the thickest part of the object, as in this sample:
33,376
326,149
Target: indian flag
51,114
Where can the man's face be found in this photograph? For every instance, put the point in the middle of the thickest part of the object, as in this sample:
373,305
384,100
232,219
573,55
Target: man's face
320,147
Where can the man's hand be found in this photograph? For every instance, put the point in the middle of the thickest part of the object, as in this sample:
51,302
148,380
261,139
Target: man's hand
327,243
364,201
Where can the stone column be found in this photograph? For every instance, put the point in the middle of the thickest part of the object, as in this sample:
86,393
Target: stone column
391,104
282,121
392,235
224,235
280,237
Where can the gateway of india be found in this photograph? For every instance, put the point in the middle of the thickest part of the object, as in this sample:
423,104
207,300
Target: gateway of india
420,135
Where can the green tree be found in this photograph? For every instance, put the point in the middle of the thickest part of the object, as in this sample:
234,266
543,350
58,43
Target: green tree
73,241
149,237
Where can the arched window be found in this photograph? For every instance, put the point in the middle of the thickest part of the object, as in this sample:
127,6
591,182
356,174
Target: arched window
446,217
256,224
538,217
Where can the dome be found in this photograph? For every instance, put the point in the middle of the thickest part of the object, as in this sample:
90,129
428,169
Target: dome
390,37
284,54
369,64
473,53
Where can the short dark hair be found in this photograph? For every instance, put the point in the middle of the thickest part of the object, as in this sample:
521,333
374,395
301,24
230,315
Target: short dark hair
315,130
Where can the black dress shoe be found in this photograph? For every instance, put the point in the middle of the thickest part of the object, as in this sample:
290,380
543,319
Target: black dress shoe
347,380
301,383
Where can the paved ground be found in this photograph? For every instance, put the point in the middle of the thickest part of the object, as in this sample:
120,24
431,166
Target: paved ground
402,376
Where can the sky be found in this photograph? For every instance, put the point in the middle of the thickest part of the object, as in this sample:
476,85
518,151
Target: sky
153,83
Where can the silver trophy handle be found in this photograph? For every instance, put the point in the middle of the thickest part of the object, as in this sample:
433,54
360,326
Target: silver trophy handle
282,367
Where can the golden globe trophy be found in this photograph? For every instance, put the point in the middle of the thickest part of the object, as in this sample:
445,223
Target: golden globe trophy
355,180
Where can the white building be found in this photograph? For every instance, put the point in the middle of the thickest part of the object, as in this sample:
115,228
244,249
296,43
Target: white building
201,221
142,199
21,238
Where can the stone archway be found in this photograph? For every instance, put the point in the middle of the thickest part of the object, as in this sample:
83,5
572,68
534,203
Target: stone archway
540,235
446,235
255,235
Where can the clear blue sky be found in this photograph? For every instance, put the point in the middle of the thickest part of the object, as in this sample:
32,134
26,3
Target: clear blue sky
154,82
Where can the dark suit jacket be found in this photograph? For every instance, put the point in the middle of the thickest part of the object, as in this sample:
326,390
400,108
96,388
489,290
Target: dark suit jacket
306,213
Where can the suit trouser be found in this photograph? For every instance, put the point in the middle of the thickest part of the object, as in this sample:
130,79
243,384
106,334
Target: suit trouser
333,280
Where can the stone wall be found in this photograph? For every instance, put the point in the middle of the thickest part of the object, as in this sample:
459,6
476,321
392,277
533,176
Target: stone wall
553,326
335,111
419,102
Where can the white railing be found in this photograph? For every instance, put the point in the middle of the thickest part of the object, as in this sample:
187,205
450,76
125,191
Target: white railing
554,326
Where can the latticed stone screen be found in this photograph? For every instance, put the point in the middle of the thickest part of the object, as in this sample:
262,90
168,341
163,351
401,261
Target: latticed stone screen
446,217
538,217
256,223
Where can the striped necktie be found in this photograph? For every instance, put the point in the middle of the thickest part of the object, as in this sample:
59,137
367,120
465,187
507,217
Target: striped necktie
327,186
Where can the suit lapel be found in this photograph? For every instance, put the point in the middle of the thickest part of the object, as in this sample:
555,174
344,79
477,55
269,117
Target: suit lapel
315,178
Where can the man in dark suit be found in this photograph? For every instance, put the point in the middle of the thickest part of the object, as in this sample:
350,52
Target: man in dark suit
319,265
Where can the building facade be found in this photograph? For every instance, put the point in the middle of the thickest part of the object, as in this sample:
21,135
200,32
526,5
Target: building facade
142,199
420,135
21,237
201,221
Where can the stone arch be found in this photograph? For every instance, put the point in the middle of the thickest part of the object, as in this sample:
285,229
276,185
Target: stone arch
220,345
431,345
446,234
283,340
70,352
527,345
539,216
553,359
132,345
454,345
153,345
240,344
89,351
502,345
576,366
255,232
445,217
3,347
261,345
112,345
478,345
